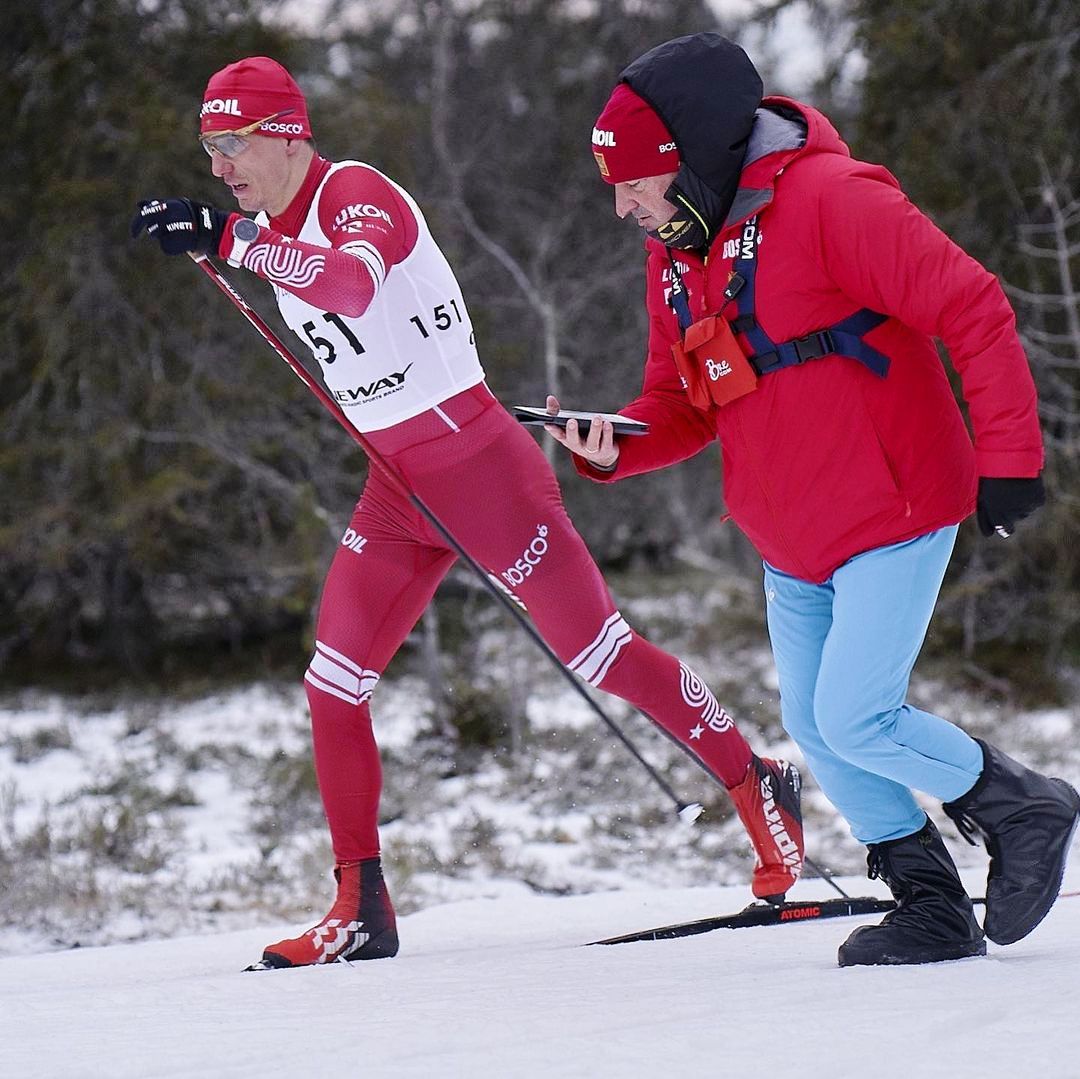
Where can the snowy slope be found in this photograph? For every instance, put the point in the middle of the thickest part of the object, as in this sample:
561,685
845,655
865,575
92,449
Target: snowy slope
502,988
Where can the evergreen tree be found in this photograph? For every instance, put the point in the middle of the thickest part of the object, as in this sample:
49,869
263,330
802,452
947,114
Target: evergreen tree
158,477
972,106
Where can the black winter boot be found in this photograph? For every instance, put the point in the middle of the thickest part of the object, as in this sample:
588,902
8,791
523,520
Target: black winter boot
933,920
1027,822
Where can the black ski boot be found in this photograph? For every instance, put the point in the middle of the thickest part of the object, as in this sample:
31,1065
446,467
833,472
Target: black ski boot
933,920
1027,822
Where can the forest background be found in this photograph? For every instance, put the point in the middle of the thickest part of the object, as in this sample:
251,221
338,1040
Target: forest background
171,495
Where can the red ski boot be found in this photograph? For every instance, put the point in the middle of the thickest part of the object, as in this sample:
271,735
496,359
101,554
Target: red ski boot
360,925
767,802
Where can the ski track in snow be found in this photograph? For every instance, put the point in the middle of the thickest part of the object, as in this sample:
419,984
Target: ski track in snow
501,988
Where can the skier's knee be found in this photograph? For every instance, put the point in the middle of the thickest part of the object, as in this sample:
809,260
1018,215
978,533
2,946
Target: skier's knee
331,671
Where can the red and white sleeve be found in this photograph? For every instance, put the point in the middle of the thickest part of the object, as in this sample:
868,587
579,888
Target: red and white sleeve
370,228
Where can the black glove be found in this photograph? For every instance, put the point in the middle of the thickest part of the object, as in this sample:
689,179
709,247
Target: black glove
1001,503
181,225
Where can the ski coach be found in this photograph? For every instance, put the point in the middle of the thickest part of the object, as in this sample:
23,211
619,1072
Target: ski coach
794,295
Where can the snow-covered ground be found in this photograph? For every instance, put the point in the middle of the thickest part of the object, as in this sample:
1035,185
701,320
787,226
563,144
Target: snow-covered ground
503,989
150,847
158,818
145,816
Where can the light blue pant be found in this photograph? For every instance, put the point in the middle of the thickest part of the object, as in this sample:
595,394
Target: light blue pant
844,652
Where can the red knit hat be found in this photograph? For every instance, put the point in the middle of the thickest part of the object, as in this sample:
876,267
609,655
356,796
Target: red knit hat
250,90
630,141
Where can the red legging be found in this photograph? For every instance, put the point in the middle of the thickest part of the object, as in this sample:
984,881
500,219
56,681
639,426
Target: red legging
488,482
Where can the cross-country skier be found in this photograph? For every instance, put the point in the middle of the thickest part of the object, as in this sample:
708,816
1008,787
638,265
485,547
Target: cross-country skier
793,296
359,277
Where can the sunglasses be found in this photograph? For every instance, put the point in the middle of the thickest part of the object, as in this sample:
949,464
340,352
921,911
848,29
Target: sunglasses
231,143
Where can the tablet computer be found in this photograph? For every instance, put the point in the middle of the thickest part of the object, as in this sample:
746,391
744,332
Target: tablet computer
622,425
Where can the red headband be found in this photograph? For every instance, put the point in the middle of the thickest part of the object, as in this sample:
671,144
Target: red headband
630,141
250,90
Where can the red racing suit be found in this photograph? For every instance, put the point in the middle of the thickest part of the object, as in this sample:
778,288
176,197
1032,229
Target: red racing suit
825,460
378,305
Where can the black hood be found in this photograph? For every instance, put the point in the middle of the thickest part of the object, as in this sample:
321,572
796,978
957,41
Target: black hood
706,91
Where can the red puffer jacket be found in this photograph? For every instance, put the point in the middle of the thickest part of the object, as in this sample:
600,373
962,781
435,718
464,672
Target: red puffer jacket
825,460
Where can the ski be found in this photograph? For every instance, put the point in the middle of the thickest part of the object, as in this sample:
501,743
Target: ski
779,914
761,914
755,914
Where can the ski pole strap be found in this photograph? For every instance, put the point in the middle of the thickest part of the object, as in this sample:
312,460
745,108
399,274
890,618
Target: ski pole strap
843,338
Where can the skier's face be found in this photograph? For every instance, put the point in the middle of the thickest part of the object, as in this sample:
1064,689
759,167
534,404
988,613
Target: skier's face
645,199
260,176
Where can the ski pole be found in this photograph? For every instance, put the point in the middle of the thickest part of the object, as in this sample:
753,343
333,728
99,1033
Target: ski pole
825,875
688,811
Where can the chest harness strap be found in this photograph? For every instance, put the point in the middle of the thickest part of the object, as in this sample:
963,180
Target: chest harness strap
844,338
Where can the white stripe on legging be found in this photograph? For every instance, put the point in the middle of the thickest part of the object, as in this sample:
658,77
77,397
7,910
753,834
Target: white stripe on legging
318,683
593,662
335,673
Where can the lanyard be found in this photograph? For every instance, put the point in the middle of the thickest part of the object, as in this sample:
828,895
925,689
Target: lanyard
680,298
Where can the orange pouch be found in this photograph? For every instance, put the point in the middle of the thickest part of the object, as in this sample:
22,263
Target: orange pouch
723,369
692,378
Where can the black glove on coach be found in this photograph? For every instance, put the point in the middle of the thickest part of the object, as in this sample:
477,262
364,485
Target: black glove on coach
1001,503
181,225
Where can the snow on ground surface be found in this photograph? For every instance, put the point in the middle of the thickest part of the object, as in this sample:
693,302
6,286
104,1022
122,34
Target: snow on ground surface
153,818
151,847
503,989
